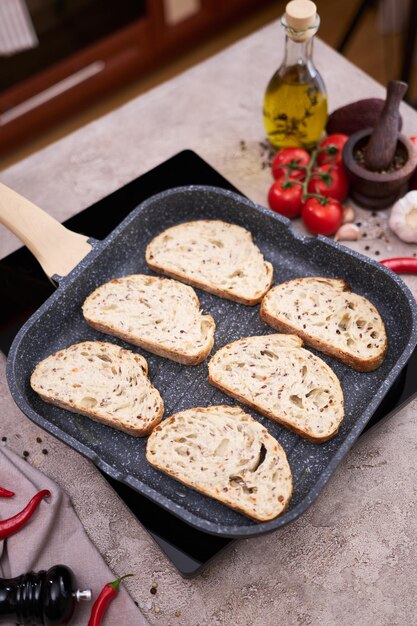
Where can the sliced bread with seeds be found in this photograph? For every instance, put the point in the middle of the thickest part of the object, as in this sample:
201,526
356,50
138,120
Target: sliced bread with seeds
214,255
277,378
102,381
224,453
329,317
157,314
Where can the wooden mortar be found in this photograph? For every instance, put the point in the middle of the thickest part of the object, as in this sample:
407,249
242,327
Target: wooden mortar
371,184
377,190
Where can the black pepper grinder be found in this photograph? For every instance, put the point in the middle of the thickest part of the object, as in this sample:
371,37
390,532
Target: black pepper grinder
45,597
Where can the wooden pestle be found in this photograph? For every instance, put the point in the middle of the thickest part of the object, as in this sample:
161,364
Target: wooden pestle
382,145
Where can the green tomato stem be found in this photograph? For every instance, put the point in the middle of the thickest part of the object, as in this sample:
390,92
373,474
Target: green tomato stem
289,182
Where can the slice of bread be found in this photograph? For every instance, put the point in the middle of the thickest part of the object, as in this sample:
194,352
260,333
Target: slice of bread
226,454
157,314
277,378
216,256
328,317
103,382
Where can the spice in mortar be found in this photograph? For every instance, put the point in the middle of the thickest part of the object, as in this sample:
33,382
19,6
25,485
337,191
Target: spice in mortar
396,164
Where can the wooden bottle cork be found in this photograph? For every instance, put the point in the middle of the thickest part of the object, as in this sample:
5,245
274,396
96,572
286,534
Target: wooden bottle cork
300,14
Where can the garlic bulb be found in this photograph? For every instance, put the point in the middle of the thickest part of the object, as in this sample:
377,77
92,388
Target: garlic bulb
403,218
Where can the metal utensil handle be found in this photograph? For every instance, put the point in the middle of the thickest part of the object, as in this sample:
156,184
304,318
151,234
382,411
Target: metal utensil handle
57,249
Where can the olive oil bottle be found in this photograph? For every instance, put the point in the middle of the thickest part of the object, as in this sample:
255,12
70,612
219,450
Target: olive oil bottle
295,102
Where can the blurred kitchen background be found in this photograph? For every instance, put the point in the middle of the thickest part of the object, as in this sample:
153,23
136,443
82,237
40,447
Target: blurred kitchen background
64,63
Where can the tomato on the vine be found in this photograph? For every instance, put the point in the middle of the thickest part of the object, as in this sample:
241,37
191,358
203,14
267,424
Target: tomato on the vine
286,161
322,217
329,180
332,148
285,197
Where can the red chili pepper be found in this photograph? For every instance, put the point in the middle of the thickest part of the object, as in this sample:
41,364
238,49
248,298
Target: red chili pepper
401,265
12,525
107,594
5,493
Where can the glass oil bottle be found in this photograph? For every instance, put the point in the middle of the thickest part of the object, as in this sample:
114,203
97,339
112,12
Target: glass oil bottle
295,102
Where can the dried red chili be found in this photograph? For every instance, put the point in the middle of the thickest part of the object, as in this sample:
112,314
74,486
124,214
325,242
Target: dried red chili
401,265
107,594
5,493
13,524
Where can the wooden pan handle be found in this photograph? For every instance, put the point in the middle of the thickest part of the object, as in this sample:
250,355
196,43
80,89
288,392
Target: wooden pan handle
57,249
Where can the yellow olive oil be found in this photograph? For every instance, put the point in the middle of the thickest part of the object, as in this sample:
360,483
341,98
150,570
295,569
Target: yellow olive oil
295,101
295,113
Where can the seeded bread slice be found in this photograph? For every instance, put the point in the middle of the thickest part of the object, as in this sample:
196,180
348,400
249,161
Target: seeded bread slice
216,256
329,317
158,314
103,382
224,453
277,378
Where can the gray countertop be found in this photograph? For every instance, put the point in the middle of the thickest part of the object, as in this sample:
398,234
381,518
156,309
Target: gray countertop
351,558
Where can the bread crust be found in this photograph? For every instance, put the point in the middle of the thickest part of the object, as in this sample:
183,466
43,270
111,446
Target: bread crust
282,326
208,286
177,355
137,430
130,430
221,293
210,495
217,382
269,414
360,365
218,496
155,348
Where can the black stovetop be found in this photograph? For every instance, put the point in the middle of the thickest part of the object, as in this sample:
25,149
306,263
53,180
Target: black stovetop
24,287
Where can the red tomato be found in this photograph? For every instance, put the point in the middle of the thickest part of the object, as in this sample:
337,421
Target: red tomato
322,219
334,147
285,197
290,157
329,180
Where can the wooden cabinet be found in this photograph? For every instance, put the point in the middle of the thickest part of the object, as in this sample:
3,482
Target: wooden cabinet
48,96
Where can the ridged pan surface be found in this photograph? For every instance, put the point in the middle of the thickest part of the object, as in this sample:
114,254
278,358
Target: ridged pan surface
59,323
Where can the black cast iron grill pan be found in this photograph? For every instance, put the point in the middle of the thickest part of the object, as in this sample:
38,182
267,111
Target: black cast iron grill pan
59,323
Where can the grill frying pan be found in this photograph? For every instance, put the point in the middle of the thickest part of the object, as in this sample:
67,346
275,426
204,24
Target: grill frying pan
59,323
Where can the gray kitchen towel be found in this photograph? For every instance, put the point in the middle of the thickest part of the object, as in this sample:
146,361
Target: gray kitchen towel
53,536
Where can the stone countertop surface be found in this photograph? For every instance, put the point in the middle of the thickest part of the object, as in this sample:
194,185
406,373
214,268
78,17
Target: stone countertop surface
351,557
